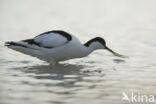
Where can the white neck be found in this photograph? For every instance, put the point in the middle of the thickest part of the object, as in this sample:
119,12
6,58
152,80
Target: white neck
93,46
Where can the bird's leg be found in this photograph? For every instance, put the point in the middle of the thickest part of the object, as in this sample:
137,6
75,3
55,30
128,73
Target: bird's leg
52,62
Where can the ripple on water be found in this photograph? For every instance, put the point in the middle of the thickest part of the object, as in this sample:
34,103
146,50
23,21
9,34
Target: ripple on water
119,61
99,78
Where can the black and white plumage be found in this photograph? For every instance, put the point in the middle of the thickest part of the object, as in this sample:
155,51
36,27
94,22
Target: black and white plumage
56,45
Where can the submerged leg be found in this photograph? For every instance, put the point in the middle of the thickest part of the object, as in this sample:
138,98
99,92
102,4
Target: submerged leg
52,62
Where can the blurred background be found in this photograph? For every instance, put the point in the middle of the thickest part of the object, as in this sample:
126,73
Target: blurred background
128,26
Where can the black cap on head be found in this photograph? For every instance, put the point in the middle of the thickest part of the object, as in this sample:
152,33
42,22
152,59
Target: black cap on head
102,41
97,39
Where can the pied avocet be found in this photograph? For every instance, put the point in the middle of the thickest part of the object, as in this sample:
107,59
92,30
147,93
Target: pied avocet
57,45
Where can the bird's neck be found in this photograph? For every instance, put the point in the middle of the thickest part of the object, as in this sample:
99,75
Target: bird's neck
90,47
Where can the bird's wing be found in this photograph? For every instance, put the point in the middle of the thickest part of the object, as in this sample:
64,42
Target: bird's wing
52,39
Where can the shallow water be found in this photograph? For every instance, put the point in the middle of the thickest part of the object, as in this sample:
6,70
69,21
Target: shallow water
128,26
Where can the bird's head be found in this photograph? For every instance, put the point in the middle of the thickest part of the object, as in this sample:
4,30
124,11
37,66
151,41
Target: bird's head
100,43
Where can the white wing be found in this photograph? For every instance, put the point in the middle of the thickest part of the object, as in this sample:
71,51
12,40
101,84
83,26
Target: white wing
51,40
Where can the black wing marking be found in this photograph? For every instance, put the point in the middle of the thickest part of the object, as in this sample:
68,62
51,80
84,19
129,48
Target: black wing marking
60,32
14,44
31,42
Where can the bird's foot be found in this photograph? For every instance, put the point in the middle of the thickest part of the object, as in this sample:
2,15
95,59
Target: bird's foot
52,62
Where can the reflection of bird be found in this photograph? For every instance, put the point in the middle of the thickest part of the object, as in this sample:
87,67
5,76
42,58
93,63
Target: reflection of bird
59,69
54,46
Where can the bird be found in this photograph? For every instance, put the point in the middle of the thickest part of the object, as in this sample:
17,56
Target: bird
57,45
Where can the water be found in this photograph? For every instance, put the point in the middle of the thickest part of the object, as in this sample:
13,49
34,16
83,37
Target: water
128,26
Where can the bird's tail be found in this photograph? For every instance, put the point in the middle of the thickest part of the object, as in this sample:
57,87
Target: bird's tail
14,44
25,48
19,46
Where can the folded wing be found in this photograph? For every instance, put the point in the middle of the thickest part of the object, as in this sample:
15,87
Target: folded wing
50,40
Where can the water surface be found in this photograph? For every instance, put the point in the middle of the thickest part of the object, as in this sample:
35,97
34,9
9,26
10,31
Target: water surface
128,26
